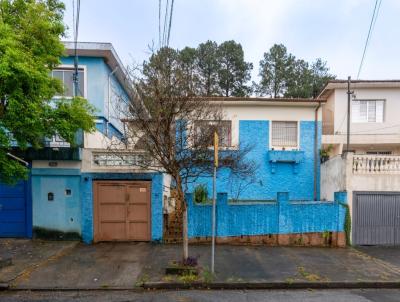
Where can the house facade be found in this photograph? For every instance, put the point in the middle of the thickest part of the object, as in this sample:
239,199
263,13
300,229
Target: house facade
370,171
281,204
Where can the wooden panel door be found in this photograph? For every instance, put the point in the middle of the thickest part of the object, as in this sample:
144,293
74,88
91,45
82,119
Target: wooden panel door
121,211
138,212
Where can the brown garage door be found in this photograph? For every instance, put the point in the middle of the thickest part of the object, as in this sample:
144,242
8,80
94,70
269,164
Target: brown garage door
121,211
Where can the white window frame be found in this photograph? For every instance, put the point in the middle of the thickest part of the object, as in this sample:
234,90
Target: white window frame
369,100
230,134
70,66
280,148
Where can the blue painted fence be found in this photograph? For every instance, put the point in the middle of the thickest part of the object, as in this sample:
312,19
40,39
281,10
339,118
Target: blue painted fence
282,216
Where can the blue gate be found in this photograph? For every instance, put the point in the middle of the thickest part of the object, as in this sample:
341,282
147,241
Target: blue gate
16,210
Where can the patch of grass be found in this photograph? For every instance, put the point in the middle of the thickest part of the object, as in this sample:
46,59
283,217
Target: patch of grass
188,278
289,280
310,276
168,278
142,280
207,275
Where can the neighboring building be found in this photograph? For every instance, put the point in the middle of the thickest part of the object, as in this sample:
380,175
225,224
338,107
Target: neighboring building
71,188
370,172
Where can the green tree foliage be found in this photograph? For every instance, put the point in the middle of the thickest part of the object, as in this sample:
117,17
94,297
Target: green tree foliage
216,70
233,71
283,75
275,70
30,47
207,68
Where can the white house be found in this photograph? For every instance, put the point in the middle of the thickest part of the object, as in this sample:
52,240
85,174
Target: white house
370,172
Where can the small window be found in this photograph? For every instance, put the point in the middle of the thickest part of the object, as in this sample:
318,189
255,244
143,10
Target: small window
223,128
68,192
367,111
66,76
284,134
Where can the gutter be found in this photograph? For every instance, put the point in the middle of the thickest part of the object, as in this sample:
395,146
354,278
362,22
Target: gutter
109,98
316,150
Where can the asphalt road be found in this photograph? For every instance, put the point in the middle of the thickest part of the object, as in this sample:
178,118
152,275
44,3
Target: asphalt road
378,295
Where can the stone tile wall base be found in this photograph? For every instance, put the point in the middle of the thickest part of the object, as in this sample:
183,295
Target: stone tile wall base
330,239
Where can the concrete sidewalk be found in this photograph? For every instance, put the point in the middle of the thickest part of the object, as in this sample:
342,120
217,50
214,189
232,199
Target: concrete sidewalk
265,267
66,265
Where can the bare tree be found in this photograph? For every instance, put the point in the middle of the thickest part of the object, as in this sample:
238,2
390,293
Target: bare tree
175,128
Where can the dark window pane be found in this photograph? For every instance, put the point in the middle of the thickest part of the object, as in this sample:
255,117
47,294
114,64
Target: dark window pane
68,83
81,90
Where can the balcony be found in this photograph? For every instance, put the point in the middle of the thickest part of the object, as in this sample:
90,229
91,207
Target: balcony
354,173
376,164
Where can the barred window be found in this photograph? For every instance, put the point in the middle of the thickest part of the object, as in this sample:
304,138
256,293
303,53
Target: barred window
284,134
223,128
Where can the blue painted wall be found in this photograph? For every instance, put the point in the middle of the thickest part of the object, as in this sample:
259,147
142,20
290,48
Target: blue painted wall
87,200
262,218
97,87
271,178
63,214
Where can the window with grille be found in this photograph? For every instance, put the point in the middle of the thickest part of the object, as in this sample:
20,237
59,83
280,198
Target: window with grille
367,111
66,76
284,134
223,128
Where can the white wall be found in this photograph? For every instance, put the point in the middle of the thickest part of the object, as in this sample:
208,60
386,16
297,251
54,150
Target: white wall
391,123
333,177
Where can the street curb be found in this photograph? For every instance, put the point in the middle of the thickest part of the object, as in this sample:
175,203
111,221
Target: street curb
270,285
219,286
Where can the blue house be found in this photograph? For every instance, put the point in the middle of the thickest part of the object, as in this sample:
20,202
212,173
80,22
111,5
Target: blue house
282,199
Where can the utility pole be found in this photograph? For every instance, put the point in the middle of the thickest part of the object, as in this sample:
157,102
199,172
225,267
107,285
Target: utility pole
349,93
213,222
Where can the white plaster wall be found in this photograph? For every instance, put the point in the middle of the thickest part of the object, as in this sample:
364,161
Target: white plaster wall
236,113
97,140
333,177
391,122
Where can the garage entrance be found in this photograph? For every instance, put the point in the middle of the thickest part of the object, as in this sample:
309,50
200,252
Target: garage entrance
376,217
122,210
15,216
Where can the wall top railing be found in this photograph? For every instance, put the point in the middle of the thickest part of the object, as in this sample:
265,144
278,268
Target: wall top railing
376,164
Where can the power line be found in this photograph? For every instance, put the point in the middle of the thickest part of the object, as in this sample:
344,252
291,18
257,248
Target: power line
371,26
165,24
170,21
76,31
159,23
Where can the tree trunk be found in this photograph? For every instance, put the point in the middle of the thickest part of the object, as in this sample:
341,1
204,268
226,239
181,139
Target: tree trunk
185,239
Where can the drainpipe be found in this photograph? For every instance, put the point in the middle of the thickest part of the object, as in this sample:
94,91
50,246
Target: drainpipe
18,159
316,151
109,98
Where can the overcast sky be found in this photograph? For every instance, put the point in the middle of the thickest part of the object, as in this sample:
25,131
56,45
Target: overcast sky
334,30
